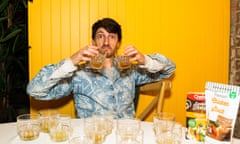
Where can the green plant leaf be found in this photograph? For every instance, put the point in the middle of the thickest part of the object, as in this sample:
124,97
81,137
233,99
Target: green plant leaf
3,18
11,35
3,5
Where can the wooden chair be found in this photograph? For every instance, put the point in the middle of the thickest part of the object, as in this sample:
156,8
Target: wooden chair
157,89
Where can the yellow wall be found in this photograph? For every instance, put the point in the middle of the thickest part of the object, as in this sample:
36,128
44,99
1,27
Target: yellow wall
194,34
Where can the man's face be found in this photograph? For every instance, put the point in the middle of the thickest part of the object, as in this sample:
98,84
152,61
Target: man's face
106,42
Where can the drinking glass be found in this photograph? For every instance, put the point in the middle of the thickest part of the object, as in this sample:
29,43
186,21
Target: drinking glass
176,136
128,123
97,61
45,116
123,62
107,117
179,132
81,140
167,138
28,126
60,128
95,129
163,122
129,136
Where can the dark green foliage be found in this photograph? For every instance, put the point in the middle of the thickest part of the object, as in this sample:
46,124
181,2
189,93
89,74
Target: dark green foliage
13,58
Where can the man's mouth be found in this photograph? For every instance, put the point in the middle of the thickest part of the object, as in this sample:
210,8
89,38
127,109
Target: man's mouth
105,48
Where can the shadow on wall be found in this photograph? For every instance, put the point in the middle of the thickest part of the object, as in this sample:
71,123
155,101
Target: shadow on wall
49,104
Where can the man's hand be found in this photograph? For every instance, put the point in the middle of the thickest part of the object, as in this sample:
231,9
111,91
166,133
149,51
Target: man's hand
134,55
84,54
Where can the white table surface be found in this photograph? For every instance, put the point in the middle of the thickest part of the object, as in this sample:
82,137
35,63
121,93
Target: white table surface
8,135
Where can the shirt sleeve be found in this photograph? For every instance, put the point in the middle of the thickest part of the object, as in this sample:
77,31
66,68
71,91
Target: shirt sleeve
65,69
53,81
153,65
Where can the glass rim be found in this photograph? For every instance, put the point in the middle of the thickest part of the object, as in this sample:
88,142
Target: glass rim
164,114
28,116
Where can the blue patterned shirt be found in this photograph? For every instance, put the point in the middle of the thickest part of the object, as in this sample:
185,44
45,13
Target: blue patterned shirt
93,91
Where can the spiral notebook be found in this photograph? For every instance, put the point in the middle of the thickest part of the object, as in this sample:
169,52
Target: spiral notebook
222,102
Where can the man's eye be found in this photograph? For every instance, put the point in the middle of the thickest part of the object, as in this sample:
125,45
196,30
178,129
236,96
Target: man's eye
100,36
112,37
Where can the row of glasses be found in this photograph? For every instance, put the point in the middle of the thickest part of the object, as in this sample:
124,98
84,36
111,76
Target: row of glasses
166,129
57,125
97,128
128,131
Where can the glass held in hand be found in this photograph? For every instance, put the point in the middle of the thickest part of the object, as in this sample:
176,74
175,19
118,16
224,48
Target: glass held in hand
98,61
123,62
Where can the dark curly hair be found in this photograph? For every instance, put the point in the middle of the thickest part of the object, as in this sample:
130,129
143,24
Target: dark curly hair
110,25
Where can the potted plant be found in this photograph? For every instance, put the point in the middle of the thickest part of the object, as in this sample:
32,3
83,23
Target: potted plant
13,58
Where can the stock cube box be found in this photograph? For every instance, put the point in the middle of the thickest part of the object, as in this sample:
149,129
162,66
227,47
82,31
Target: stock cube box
196,116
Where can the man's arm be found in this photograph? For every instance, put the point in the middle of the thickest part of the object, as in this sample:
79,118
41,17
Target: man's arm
52,81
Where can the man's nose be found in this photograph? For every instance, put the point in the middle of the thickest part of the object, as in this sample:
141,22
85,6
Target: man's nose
106,41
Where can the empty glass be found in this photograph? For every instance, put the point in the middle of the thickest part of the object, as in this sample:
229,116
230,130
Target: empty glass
129,136
128,123
28,126
163,122
179,132
129,131
167,138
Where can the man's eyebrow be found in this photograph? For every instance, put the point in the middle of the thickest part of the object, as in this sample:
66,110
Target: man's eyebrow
99,31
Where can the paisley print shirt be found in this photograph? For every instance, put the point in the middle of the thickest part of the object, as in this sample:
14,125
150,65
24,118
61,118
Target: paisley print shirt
109,90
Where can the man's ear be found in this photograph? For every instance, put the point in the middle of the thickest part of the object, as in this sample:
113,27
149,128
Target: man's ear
119,44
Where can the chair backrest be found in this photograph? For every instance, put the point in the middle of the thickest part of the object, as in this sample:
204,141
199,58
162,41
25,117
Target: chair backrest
157,89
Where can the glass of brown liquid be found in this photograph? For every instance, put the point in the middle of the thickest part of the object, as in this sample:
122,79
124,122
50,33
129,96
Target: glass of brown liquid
60,128
45,116
123,62
28,126
97,61
95,129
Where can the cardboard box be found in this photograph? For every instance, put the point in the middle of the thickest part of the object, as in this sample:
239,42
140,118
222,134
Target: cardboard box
196,116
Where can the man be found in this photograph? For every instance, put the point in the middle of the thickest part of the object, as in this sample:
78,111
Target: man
102,90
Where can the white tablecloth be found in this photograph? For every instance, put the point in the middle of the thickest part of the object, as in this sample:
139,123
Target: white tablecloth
8,135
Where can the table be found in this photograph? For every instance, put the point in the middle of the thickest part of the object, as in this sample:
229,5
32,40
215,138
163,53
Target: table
8,135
